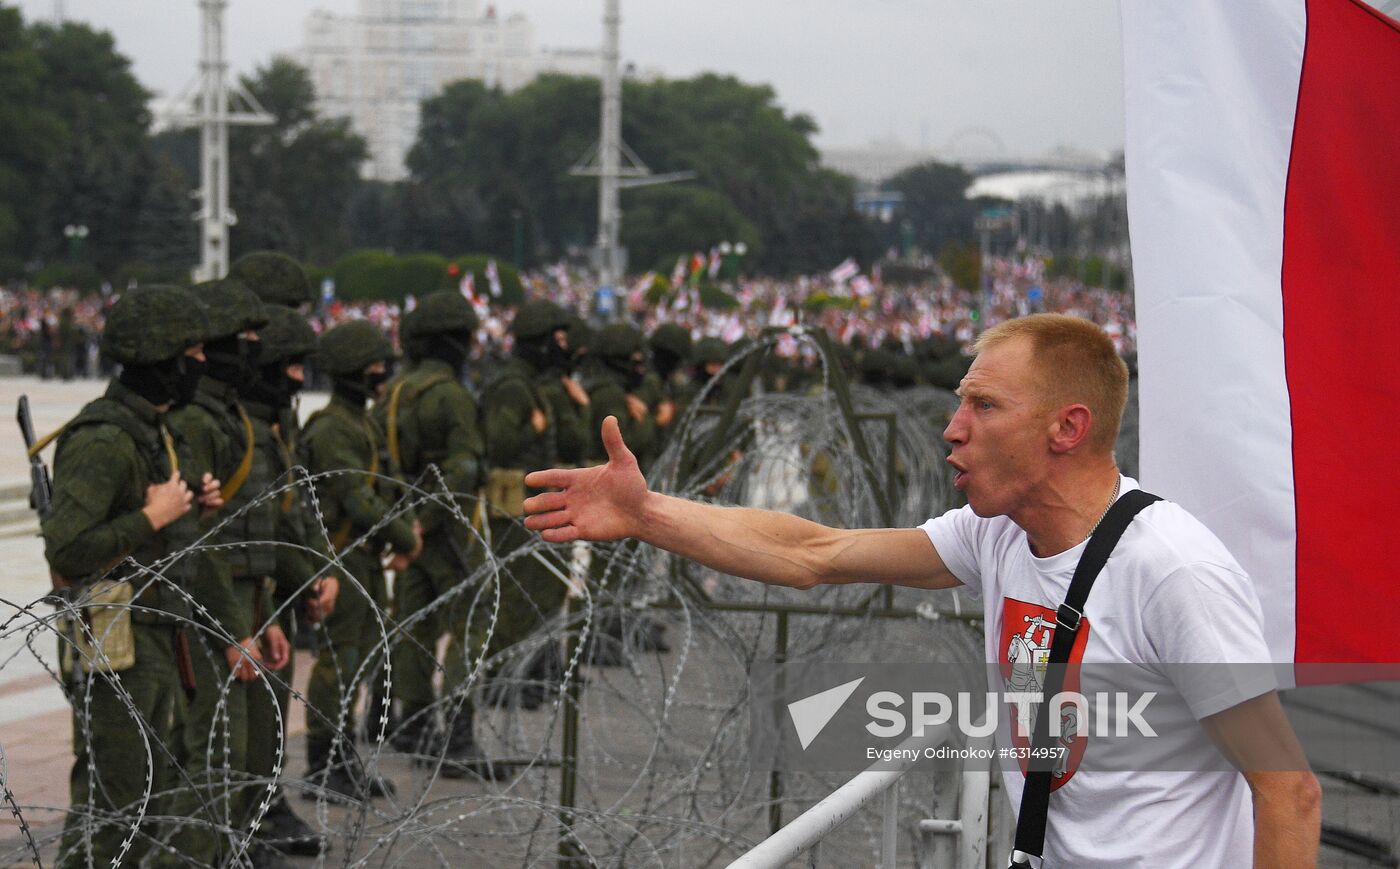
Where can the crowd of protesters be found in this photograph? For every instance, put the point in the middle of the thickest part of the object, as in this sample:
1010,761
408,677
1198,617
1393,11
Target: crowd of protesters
54,333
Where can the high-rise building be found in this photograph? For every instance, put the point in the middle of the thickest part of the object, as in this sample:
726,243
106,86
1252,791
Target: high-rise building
375,68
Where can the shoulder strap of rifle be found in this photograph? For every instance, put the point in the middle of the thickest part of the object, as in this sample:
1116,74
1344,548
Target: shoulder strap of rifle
240,475
1035,798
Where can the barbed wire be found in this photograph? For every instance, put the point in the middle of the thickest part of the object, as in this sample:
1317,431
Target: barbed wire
662,755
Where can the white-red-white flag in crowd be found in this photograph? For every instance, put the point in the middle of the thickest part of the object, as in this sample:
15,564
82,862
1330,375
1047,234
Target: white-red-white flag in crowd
1264,200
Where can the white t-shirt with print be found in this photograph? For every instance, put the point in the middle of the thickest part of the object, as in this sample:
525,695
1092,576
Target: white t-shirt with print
1170,593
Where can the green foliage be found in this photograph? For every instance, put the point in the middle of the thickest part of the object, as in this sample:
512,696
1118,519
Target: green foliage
935,204
292,181
483,157
668,221
369,275
422,273
366,275
962,262
82,276
712,296
821,300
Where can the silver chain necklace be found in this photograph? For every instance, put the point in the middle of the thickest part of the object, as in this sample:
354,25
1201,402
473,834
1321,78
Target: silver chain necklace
1111,501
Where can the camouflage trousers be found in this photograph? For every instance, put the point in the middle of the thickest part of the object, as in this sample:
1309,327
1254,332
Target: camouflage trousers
430,601
351,644
122,725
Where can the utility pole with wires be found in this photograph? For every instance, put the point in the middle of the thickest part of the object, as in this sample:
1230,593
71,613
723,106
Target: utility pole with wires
614,164
218,104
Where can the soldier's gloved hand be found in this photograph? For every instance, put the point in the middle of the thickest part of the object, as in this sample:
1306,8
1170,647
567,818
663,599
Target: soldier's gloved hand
166,502
211,496
320,607
636,408
275,648
538,421
576,391
243,659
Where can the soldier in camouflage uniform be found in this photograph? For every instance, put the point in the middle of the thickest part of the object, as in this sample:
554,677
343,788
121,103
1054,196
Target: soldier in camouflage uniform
216,436
117,490
669,387
271,401
430,418
617,372
536,416
343,442
613,379
286,341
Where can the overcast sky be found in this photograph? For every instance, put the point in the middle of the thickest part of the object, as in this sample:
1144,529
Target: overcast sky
1035,74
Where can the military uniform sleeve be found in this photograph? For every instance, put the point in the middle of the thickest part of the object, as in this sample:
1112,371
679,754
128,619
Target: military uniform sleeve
571,427
81,536
449,408
207,577
508,430
337,449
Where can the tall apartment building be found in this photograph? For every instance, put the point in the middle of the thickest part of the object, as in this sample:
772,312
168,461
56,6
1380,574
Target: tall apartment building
376,67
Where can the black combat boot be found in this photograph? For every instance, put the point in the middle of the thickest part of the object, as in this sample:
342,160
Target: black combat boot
461,756
283,830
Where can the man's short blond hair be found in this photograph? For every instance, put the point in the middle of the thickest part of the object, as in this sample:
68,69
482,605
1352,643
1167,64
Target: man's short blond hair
1075,363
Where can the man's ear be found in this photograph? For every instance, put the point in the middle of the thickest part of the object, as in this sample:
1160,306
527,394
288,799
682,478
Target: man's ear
1071,428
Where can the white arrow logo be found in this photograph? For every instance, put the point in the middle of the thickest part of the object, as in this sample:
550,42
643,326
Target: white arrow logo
811,715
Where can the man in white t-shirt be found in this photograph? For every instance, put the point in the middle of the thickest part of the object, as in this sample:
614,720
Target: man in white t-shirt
1032,449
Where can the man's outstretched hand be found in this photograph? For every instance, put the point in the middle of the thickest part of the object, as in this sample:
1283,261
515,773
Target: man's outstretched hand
600,503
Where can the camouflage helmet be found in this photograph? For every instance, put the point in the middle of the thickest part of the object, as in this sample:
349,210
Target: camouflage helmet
152,324
538,318
351,347
286,336
275,277
617,341
438,314
672,338
231,306
711,349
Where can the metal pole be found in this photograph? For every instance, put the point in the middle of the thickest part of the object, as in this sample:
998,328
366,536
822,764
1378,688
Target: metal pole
570,854
610,151
775,777
889,832
213,171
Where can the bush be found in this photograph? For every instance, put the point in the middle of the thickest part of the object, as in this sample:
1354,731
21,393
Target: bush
512,291
80,276
366,275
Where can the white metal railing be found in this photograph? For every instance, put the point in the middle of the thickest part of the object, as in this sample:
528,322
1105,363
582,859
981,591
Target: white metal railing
968,830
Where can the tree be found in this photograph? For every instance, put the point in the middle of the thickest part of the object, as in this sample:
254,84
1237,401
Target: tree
292,182
75,121
936,204
483,156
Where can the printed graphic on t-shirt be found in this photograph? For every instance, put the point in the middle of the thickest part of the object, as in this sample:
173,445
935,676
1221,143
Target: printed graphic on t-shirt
1026,632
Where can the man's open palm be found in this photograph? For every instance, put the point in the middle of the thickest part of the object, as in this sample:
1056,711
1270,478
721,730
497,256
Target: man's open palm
599,503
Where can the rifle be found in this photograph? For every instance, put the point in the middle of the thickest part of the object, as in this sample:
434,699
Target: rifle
40,487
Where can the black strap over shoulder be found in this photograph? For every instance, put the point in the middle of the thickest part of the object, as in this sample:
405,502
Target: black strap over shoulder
1035,798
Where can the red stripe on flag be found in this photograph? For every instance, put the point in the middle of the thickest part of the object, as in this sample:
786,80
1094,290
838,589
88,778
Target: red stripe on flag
1341,304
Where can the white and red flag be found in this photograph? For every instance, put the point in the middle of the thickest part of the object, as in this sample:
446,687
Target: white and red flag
1263,184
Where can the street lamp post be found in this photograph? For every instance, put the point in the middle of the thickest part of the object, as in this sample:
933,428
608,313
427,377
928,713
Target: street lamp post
75,233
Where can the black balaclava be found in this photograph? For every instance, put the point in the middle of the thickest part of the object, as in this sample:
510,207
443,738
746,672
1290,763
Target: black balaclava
450,347
272,386
360,387
233,360
544,353
170,381
634,371
665,361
